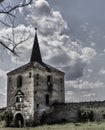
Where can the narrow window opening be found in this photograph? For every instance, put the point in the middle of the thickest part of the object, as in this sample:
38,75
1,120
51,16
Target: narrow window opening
47,100
19,81
37,105
37,76
61,90
21,99
9,79
50,83
61,80
17,99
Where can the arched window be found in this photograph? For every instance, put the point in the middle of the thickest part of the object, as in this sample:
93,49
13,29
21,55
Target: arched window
19,81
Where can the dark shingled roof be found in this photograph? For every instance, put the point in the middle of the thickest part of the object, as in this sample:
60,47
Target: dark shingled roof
36,55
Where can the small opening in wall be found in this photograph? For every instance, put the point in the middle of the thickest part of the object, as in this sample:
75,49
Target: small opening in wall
21,98
61,80
37,83
50,83
47,100
19,81
29,74
17,99
37,76
9,79
36,92
37,105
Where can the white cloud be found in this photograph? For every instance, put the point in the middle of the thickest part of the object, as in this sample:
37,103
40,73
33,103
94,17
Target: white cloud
84,26
93,44
68,96
90,70
88,54
82,90
90,95
83,84
3,83
2,73
102,71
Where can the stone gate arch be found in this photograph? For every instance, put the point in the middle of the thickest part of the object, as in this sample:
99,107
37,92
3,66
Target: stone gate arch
19,120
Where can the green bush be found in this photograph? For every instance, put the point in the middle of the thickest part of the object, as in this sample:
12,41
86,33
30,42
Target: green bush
84,115
8,118
2,117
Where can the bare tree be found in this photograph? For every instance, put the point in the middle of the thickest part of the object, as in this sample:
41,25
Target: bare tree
11,11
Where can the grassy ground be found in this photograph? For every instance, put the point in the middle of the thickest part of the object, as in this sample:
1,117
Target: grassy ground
67,126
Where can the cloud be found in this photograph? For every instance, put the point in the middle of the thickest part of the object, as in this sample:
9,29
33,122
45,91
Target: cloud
58,48
83,85
2,73
102,71
71,96
90,95
82,90
3,83
46,19
88,54
84,27
68,96
93,44
2,100
90,70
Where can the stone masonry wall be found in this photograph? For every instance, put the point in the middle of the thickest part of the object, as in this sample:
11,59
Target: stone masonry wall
41,88
68,112
27,89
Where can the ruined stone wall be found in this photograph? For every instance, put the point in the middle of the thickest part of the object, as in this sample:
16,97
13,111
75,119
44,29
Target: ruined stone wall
69,112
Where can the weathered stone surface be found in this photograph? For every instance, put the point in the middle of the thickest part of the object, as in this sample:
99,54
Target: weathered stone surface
34,90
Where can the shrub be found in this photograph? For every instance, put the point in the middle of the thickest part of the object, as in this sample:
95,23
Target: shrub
2,117
84,115
8,118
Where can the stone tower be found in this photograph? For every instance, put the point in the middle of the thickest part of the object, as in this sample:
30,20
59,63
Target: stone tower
33,88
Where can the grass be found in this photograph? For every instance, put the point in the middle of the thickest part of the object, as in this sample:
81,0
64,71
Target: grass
66,126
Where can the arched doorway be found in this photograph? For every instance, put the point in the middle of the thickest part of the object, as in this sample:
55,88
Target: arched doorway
19,121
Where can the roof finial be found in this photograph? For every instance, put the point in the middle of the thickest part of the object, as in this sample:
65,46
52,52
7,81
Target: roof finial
35,30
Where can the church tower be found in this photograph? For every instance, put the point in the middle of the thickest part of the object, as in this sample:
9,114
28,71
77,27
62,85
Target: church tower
33,88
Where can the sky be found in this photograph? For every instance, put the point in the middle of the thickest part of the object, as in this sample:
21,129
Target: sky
71,35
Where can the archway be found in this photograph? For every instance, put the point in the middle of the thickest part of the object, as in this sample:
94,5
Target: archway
19,121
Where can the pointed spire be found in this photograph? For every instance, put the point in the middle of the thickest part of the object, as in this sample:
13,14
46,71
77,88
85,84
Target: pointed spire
36,55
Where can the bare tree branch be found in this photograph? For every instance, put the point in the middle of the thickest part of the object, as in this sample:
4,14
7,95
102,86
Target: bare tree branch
5,23
10,12
16,6
21,42
8,48
1,1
